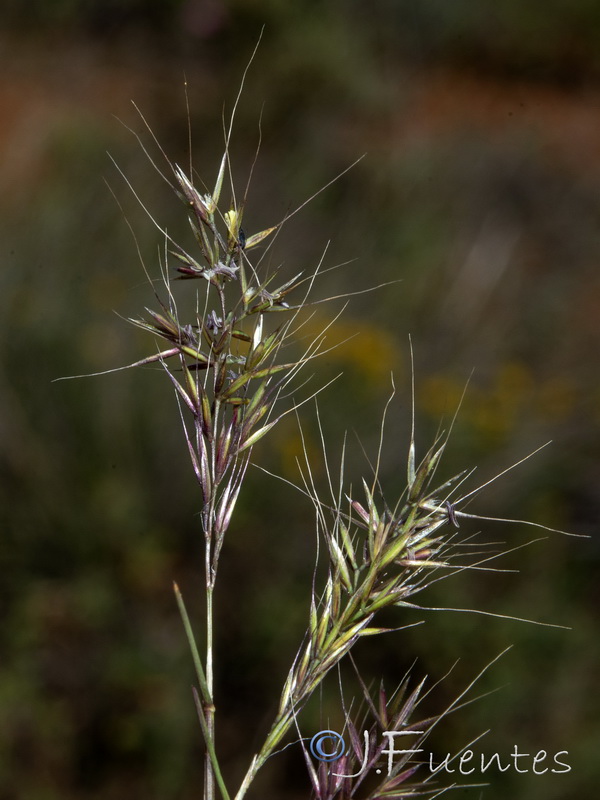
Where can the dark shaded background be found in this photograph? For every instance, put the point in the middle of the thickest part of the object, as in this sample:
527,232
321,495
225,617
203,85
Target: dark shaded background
479,192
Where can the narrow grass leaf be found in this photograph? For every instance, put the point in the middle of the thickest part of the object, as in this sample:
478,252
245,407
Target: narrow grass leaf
197,355
253,438
337,558
219,184
256,238
348,546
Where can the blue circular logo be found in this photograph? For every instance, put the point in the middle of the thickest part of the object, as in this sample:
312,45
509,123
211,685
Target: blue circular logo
327,746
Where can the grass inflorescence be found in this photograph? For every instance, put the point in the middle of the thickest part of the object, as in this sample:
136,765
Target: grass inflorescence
230,365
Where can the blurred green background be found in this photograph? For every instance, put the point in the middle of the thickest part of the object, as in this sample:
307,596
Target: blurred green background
478,194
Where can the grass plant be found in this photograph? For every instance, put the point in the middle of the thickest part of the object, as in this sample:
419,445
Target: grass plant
234,362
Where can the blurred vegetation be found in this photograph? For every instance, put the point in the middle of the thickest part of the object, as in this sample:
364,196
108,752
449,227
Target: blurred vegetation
479,195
